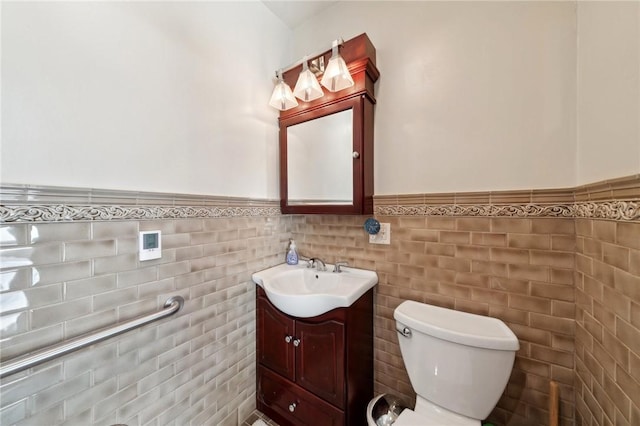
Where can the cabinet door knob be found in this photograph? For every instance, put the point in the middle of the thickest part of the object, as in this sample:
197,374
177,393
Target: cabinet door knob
288,339
296,342
292,407
355,154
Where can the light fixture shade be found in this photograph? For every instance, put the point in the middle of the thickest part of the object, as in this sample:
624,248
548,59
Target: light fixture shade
307,87
282,98
336,76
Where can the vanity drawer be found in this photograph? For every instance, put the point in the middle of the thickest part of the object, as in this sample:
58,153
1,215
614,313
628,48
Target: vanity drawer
279,396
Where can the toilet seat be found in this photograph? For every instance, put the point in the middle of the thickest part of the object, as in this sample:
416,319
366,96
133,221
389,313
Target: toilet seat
411,418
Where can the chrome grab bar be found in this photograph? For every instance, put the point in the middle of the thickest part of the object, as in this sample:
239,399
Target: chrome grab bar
171,306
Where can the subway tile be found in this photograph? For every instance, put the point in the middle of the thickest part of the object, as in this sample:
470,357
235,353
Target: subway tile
553,226
89,286
455,237
423,235
85,400
511,225
510,255
616,256
489,239
529,272
13,235
530,304
16,389
552,258
138,276
114,229
473,253
15,257
51,415
11,414
28,341
89,323
50,274
111,403
626,283
628,335
127,245
85,360
634,262
82,250
61,391
481,224
628,234
554,324
119,263
53,232
13,324
15,279
112,299
604,231
60,312
563,243
445,223
554,292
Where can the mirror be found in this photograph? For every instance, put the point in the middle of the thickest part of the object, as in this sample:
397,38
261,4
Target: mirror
319,160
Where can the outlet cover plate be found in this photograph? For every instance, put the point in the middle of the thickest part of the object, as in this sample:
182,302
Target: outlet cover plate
382,237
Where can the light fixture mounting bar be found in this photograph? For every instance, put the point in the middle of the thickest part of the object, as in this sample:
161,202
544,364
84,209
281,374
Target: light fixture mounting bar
299,62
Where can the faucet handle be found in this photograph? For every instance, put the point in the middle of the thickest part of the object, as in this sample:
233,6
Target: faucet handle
338,265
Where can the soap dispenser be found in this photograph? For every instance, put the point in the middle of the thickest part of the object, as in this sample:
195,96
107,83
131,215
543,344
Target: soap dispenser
292,253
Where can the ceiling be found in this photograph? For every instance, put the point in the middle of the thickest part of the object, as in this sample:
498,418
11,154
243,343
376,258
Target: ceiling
294,12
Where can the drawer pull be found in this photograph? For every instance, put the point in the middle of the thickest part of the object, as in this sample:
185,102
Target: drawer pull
288,339
296,342
292,407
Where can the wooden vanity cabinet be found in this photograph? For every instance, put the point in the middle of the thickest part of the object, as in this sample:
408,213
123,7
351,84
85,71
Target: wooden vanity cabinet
315,371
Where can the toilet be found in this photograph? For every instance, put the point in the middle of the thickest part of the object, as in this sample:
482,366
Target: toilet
458,364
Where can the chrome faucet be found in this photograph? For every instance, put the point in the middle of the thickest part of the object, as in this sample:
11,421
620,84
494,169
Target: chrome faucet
336,267
318,263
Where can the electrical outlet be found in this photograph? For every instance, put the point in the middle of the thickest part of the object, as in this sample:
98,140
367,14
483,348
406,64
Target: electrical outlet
382,237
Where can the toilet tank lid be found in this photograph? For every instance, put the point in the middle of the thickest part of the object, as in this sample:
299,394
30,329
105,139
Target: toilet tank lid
456,326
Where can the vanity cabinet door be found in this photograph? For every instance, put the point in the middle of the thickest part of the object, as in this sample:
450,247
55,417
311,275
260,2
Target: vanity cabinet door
320,360
275,337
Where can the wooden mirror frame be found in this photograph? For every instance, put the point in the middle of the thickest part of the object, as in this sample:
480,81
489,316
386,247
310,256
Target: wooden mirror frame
359,54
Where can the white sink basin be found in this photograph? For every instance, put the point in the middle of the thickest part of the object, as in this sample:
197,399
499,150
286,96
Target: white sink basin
303,292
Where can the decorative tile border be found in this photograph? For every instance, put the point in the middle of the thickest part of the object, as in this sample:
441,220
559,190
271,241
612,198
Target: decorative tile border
28,203
58,213
611,210
617,199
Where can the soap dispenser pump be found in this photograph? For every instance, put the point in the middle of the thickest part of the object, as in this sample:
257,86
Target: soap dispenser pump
292,253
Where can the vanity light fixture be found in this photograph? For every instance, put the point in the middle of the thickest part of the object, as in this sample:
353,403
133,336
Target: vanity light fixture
307,87
282,98
335,77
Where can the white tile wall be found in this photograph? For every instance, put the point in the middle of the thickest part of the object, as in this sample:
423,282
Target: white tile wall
59,280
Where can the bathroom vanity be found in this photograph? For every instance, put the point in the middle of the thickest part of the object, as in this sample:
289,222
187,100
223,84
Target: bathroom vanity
318,370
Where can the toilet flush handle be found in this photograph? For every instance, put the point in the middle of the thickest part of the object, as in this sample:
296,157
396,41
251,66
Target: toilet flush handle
405,331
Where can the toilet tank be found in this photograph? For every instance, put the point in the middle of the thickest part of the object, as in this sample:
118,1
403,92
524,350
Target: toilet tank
454,359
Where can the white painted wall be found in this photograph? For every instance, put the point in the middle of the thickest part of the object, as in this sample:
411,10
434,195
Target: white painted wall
157,96
472,95
172,96
608,90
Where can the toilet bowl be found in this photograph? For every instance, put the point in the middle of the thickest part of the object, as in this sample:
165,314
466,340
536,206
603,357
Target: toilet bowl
458,364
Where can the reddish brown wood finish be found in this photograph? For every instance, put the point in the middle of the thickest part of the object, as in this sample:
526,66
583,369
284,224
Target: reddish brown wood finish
333,362
273,349
320,360
276,395
360,56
